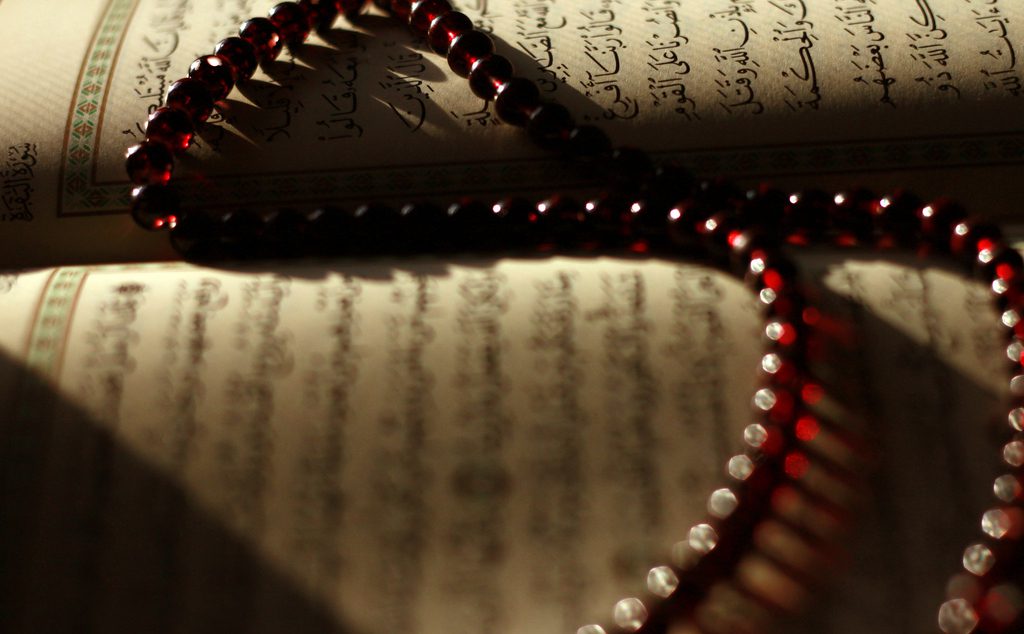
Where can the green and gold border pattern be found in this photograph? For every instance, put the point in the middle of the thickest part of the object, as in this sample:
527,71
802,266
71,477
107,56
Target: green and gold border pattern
82,195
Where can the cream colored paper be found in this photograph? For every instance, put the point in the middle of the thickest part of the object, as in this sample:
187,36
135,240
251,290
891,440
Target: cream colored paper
893,94
430,447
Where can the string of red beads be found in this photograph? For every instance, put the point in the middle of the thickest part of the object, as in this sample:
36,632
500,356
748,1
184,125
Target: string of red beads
781,476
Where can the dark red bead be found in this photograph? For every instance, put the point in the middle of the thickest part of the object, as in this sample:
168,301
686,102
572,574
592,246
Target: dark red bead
350,8
764,207
938,219
192,97
851,217
806,216
588,142
240,54
550,125
424,12
372,227
516,219
149,162
445,28
285,232
470,223
1005,264
896,219
421,225
155,206
670,183
488,74
292,22
264,37
467,49
240,229
171,127
401,9
215,73
194,235
516,101
971,236
631,167
330,229
322,13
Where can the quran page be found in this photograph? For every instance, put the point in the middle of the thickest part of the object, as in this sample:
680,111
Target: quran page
435,447
922,94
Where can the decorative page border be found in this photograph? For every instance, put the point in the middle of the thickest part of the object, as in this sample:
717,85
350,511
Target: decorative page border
78,191
81,195
49,332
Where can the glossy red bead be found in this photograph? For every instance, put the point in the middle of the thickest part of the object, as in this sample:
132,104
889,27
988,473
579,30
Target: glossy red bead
149,162
292,22
155,207
240,54
895,219
171,127
192,97
321,13
467,49
350,8
401,9
445,28
215,73
588,142
264,37
488,74
424,12
516,101
550,125
937,220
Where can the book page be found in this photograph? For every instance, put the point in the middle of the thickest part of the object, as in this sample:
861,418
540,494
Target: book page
911,93
433,447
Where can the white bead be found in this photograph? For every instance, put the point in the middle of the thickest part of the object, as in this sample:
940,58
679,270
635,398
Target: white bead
1007,488
703,538
765,399
591,629
662,581
755,435
740,467
722,503
978,559
957,617
996,523
630,614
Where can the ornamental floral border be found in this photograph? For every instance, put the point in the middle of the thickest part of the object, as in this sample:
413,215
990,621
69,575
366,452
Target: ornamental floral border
49,330
82,196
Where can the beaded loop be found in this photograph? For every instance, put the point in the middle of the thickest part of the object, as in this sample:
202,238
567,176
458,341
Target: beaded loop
783,476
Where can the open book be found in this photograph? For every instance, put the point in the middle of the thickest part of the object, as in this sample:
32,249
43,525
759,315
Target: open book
504,445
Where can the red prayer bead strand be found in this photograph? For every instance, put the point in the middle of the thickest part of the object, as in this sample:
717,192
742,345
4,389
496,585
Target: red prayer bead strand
713,220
